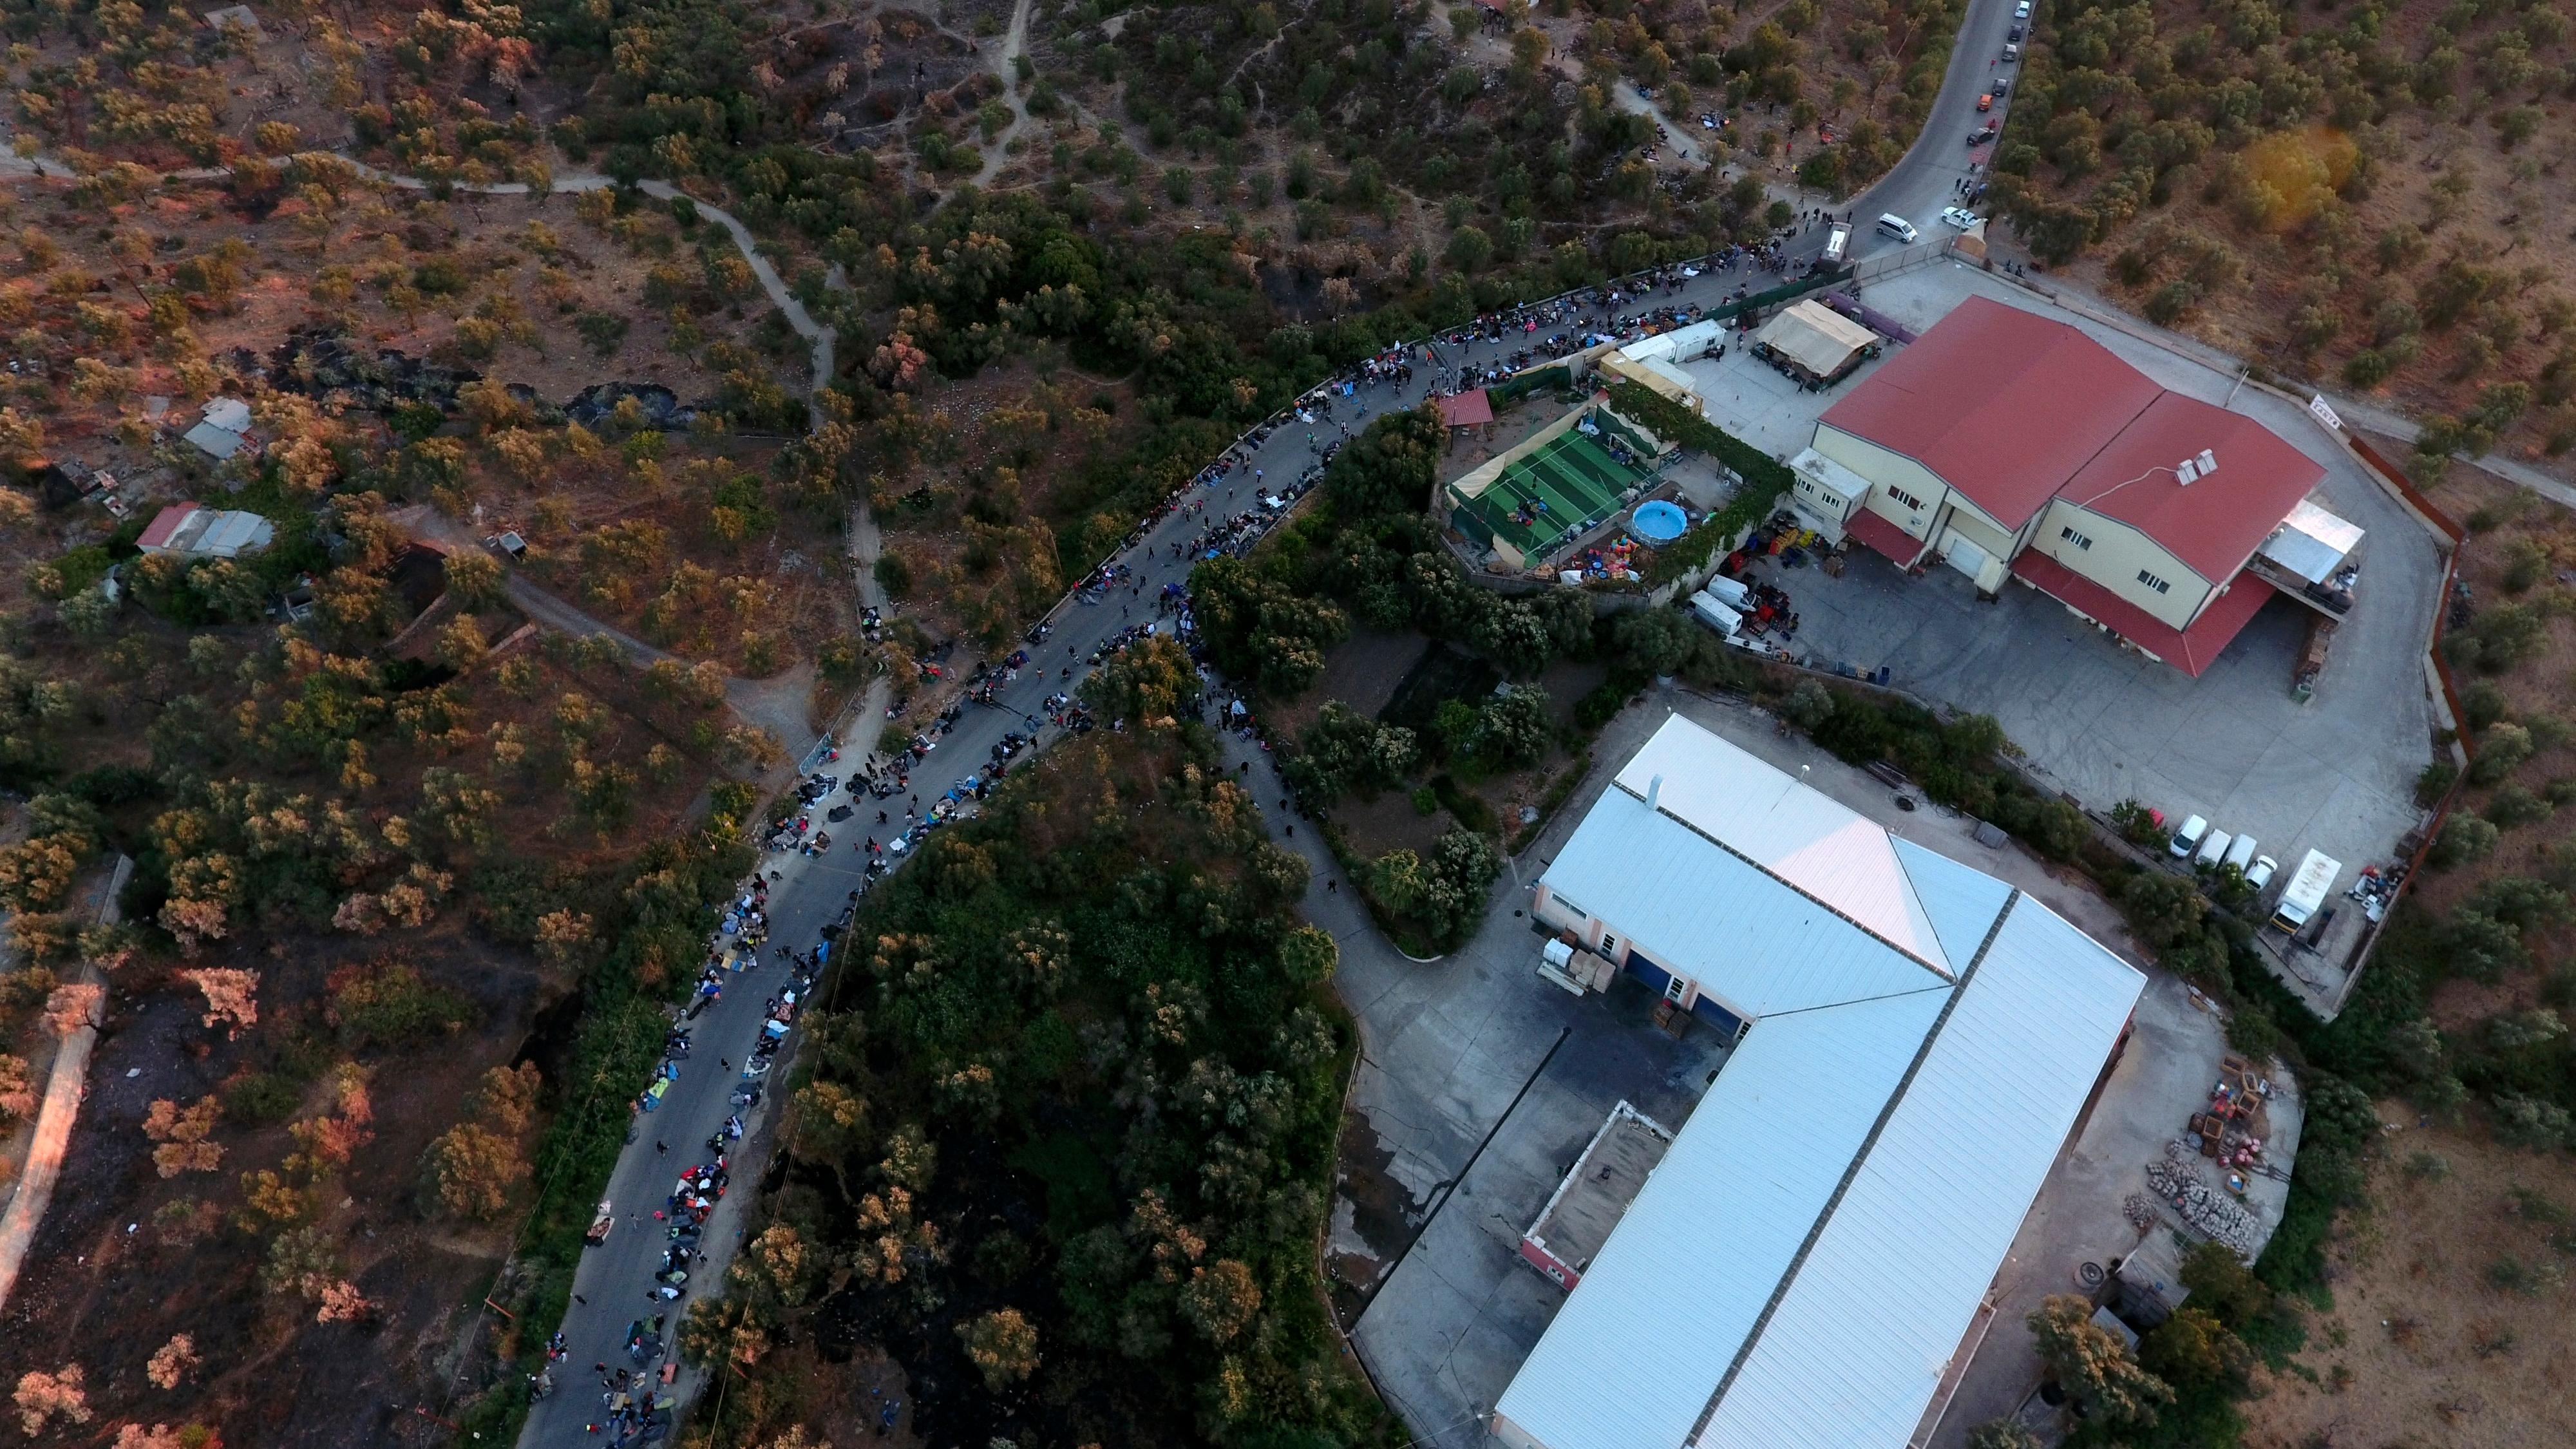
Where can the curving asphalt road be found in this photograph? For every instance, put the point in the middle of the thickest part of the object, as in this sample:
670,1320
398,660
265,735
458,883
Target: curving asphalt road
1922,181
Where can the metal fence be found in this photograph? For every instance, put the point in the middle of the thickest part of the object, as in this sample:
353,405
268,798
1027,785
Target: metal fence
1881,264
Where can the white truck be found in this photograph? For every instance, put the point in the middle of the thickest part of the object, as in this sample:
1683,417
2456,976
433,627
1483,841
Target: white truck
1716,615
2309,886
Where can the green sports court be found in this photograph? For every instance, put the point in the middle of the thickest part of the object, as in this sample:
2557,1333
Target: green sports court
1572,475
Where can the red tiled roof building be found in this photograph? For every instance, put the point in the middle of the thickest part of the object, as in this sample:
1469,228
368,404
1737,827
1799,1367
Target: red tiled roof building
2004,443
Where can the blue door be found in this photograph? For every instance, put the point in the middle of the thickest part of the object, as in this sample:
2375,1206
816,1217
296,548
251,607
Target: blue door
1656,977
1728,1024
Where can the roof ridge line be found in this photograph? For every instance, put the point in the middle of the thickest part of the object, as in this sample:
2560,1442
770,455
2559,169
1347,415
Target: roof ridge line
2162,392
1837,912
1851,1170
1858,1001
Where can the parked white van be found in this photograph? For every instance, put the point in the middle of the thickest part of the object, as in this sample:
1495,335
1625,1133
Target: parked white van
1890,224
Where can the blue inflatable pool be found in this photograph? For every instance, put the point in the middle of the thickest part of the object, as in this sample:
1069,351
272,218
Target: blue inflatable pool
1660,522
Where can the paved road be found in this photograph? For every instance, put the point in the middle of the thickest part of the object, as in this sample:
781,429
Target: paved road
1921,183
1924,180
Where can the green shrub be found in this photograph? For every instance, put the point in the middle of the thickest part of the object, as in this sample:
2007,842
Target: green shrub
2501,751
2526,564
2501,638
2465,838
262,1098
2427,1167
2512,806
2340,1128
2482,704
1345,751
389,1005
2367,368
1468,807
894,576
1602,703
2532,1122
2136,823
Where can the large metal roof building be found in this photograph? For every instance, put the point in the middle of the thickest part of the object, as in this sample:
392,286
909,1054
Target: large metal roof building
1918,1040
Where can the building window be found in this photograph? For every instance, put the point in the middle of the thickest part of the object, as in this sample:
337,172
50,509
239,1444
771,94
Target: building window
2077,539
1908,499
2151,581
1609,945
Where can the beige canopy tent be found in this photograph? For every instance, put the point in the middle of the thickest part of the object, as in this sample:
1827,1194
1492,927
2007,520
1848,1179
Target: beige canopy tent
1815,339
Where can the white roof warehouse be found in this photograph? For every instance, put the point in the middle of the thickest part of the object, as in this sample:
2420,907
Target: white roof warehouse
1920,1040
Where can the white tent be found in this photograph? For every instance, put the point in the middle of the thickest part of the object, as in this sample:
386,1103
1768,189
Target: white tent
1814,337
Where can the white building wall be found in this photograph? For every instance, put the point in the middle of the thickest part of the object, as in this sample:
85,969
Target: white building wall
1885,469
2119,553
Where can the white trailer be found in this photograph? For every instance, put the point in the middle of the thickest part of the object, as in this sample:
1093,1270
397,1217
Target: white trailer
2309,886
1716,615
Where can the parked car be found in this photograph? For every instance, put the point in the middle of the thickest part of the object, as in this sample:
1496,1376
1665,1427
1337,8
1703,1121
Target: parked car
2013,34
2022,10
2187,839
2260,873
1986,102
1979,138
1959,216
1890,224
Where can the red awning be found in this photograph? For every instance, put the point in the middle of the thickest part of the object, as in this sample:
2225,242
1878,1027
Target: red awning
165,525
2190,650
1885,537
1467,409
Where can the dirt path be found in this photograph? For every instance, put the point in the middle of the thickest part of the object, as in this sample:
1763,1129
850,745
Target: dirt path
65,1086
1015,43
1625,95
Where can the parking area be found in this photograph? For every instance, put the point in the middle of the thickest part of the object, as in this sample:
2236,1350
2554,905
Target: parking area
2104,724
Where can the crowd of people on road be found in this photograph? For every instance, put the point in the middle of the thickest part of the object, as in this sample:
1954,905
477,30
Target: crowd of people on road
635,1401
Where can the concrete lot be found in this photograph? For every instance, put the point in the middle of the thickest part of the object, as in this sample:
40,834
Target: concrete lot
2165,1074
2336,774
1479,1086
1751,399
1480,1083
